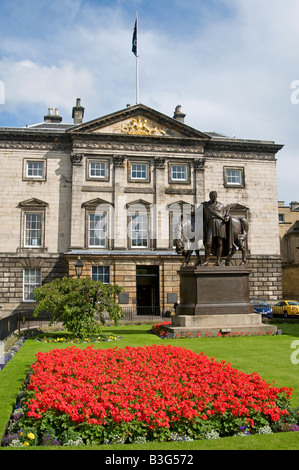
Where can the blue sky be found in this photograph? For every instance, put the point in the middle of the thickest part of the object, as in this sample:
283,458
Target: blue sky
228,63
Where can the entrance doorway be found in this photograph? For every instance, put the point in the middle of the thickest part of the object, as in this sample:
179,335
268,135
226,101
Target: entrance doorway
147,286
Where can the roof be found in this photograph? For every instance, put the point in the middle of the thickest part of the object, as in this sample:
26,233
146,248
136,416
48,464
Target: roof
142,122
294,230
50,126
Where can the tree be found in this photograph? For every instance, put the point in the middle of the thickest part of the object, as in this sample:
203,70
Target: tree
77,302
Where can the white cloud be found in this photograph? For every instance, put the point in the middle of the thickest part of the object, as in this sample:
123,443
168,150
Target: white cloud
28,84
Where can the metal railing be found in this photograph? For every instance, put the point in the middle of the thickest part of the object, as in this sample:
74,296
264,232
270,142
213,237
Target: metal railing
25,320
149,313
8,325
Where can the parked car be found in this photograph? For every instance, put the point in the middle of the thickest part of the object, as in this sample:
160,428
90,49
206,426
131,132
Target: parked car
286,308
262,307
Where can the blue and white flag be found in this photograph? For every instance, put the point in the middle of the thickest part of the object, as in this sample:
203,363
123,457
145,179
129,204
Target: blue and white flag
134,39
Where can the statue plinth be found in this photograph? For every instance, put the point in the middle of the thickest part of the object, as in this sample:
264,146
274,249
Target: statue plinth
214,290
215,299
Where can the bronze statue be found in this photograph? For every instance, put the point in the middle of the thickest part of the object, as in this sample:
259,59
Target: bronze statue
223,235
185,239
215,219
239,227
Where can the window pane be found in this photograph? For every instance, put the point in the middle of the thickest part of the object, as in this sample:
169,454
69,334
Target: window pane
234,177
97,169
176,219
97,230
179,172
101,273
33,229
35,169
32,279
139,171
139,230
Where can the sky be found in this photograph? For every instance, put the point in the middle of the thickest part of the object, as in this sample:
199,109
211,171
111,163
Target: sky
231,64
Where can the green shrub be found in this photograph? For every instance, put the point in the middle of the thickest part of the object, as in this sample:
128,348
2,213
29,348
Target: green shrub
77,302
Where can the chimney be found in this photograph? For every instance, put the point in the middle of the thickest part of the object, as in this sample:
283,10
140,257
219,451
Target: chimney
78,112
178,115
53,118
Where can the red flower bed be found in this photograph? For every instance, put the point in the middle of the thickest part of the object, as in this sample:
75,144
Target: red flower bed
158,386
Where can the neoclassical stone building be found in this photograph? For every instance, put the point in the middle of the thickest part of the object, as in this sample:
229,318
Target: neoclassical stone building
110,191
289,244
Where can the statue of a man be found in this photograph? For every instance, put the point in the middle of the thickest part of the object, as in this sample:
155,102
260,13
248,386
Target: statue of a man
215,218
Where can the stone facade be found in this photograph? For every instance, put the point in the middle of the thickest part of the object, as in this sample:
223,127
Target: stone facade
289,243
110,190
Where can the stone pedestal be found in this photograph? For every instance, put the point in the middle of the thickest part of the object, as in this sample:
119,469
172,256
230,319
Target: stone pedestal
215,299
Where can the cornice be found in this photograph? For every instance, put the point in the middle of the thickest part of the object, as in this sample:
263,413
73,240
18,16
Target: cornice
24,138
243,146
137,143
33,140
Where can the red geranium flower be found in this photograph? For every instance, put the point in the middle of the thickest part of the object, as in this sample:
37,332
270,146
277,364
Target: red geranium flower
154,385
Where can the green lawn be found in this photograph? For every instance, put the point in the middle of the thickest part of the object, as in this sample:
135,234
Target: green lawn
269,356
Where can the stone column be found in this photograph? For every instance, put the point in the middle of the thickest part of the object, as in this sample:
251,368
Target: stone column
199,181
77,215
120,241
161,212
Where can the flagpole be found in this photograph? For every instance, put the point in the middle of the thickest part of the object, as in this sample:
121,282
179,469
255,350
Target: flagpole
137,62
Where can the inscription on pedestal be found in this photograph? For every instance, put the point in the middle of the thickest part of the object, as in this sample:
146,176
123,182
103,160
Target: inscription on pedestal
229,291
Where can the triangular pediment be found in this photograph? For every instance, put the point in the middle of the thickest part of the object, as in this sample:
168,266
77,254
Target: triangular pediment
178,206
140,204
139,120
33,203
97,202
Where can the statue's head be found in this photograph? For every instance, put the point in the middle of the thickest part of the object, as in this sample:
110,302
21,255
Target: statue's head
213,195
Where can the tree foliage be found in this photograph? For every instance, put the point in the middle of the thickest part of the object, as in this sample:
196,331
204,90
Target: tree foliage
78,303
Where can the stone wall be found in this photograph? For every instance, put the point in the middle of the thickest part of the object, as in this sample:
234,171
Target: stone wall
265,281
258,195
290,281
11,278
53,191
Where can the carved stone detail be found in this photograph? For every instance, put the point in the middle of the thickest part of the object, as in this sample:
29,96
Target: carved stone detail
22,145
160,162
240,155
118,160
199,164
77,159
138,147
140,126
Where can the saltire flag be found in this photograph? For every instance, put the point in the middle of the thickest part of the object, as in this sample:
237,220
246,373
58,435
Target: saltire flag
134,39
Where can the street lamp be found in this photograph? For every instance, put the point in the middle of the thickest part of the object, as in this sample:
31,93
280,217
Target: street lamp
79,267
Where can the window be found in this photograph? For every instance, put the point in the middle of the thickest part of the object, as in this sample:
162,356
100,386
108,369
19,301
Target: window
31,280
35,169
175,221
97,229
179,173
234,177
139,231
139,171
33,230
97,169
101,273
32,224
281,218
